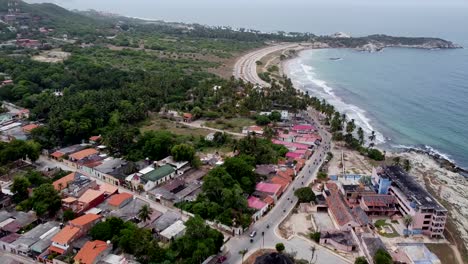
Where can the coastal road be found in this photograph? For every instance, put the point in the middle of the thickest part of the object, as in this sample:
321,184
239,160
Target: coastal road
267,237
246,67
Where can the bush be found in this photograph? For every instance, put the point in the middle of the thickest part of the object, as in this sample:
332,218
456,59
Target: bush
382,257
279,247
315,236
262,120
305,195
322,175
360,260
375,154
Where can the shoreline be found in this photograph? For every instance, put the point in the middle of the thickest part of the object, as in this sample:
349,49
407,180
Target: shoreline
439,157
443,178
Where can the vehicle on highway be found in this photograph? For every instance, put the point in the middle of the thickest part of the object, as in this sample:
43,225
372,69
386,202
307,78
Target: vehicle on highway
253,234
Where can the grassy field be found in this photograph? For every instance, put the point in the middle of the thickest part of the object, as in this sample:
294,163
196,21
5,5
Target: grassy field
233,125
157,123
379,224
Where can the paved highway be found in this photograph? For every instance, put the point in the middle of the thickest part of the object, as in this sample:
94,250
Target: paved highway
246,67
282,208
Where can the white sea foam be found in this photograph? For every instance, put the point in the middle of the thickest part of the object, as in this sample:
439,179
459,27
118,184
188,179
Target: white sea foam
304,75
427,149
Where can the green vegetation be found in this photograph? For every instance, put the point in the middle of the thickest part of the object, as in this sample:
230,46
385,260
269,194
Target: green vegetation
279,247
305,195
18,149
315,236
360,260
198,243
382,257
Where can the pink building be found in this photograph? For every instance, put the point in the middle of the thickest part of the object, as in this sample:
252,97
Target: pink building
269,188
257,204
302,129
429,216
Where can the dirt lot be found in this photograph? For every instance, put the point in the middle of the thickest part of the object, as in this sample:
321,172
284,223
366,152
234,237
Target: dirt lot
157,123
323,221
354,163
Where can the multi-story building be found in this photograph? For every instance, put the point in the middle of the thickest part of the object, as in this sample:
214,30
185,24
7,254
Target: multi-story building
429,216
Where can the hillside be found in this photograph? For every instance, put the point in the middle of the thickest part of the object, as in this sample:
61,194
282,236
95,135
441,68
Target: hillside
53,16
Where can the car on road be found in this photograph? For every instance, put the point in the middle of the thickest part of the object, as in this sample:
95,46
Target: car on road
253,234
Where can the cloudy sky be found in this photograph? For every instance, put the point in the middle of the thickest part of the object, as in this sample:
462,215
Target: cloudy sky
409,17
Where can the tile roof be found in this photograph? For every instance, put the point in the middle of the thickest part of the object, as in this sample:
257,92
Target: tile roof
269,200
381,200
10,238
28,128
57,249
66,235
293,155
290,144
281,181
83,154
268,187
69,200
57,154
303,127
108,189
286,173
255,203
63,182
85,219
90,195
95,138
338,208
90,251
360,216
117,199
159,173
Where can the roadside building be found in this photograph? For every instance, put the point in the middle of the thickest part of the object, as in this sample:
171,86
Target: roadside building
369,245
304,129
340,240
379,205
258,205
429,216
78,186
271,189
165,220
89,199
63,182
63,152
118,201
174,231
157,176
179,166
252,130
92,252
7,241
22,245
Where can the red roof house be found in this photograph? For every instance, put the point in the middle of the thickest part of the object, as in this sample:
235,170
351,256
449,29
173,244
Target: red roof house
92,252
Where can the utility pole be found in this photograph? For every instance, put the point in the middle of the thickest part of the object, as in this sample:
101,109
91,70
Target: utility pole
312,249
263,237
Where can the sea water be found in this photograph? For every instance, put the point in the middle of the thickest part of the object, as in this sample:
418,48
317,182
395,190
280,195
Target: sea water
409,97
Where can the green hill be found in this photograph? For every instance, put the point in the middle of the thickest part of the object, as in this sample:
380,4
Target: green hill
63,20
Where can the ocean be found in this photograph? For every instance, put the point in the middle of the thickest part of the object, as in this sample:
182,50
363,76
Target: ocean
412,98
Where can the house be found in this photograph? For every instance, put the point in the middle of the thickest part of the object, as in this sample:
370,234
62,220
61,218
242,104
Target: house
118,201
7,241
76,228
252,130
22,245
158,176
429,216
95,139
63,182
89,199
187,117
108,189
266,170
165,220
61,153
110,170
369,245
340,240
180,166
174,231
80,184
379,204
129,211
303,129
85,222
281,181
270,189
17,221
81,157
61,242
92,252
29,128
257,204
286,173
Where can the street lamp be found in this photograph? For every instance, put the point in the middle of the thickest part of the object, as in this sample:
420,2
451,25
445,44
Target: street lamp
312,249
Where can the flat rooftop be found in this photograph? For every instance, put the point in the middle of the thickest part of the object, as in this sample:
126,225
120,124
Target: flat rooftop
412,189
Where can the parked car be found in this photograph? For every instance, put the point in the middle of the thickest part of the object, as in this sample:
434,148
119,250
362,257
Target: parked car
253,234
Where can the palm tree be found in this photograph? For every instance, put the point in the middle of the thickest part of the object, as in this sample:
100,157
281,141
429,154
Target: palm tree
397,161
372,136
407,165
144,214
243,252
360,133
343,120
407,220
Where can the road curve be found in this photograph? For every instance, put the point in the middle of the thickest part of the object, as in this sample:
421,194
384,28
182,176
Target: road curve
246,66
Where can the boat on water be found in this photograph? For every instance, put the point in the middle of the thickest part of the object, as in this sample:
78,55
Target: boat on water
335,59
